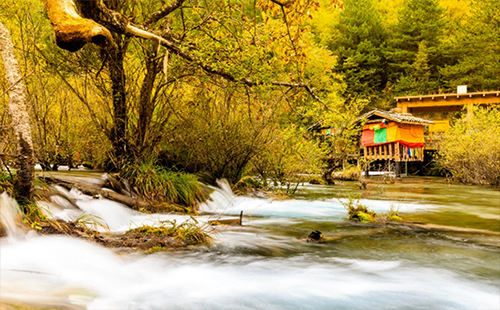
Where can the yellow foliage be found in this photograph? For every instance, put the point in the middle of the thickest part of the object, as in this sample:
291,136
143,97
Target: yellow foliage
471,149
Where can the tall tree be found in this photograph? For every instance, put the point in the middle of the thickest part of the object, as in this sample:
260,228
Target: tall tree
358,41
224,40
24,182
419,21
478,65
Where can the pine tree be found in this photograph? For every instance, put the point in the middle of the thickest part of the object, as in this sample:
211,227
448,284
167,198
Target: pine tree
419,22
479,45
358,43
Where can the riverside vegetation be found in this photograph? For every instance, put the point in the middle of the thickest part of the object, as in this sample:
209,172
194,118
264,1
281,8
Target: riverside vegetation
173,91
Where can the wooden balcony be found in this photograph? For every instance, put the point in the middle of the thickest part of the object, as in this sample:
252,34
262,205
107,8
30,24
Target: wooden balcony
393,151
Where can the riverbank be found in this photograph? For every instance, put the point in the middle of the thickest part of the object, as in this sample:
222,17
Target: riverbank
266,261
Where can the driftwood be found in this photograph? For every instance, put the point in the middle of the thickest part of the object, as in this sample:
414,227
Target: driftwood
134,203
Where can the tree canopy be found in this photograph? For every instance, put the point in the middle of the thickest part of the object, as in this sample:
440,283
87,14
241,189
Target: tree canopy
233,87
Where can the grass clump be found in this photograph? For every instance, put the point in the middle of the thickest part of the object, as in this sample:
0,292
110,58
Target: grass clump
6,181
393,215
159,185
170,234
358,212
350,173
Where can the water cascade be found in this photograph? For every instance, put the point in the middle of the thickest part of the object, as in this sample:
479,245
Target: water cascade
265,263
9,217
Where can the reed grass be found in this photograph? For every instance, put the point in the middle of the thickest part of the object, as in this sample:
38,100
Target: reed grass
159,185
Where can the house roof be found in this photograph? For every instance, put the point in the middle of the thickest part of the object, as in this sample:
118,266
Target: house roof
407,118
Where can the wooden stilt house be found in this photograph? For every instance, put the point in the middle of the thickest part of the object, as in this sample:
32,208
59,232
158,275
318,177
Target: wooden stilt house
389,135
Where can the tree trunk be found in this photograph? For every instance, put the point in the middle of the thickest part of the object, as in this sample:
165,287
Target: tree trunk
146,105
118,137
24,182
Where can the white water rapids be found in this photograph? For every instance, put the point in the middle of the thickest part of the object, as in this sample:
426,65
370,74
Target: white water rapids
249,267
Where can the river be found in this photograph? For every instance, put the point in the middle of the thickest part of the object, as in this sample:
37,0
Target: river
265,264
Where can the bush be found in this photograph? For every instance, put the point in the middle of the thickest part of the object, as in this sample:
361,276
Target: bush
288,160
350,173
471,149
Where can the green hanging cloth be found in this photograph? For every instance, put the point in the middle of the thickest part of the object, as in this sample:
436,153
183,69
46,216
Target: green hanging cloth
380,135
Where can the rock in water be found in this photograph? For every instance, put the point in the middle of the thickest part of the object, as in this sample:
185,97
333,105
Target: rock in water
316,237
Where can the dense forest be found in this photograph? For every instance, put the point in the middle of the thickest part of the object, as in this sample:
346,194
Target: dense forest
234,88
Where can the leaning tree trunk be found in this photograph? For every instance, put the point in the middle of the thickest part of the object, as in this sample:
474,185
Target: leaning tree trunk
24,182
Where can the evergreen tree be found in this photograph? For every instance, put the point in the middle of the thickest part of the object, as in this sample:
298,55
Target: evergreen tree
419,31
358,42
479,46
418,78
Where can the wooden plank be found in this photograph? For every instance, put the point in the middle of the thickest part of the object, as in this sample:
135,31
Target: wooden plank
385,151
391,146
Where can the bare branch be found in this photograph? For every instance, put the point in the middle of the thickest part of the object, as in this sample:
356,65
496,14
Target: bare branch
15,83
94,117
283,3
164,11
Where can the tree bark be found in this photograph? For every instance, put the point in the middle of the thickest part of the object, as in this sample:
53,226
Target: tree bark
24,182
146,105
118,134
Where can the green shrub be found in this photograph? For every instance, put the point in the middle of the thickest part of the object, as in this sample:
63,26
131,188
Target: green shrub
471,149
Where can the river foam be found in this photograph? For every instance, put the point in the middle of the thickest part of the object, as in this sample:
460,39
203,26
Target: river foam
70,273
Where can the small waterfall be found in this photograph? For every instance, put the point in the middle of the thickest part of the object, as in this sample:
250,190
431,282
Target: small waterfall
220,200
9,216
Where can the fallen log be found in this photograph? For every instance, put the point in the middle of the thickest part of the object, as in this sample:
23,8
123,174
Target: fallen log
134,203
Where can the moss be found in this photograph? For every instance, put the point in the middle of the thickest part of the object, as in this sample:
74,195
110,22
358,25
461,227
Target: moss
395,218
155,249
366,217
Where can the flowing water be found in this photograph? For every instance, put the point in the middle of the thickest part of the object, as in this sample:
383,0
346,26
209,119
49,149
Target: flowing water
265,264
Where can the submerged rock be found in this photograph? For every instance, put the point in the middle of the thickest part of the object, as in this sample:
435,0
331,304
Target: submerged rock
316,237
